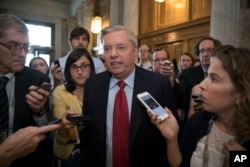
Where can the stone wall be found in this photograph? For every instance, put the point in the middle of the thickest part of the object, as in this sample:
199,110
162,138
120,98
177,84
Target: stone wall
245,42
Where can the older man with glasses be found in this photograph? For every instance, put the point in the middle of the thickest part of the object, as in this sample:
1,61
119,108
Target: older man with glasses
192,76
22,102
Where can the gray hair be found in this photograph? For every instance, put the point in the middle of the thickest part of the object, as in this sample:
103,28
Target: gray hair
131,36
10,21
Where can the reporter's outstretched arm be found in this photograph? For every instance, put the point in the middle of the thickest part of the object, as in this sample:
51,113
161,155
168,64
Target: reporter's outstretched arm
169,128
22,143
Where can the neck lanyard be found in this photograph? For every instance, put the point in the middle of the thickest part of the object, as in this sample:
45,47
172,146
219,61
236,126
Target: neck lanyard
205,153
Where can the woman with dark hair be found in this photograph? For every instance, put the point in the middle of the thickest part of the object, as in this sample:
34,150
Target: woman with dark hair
186,61
39,64
68,99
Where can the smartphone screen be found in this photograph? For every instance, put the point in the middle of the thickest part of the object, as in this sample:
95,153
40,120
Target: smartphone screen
151,103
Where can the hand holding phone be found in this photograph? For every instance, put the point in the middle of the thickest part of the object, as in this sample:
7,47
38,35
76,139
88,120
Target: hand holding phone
56,62
167,63
77,118
45,86
150,103
196,98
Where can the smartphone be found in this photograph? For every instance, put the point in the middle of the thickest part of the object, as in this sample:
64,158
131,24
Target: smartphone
150,103
77,118
196,98
45,86
167,63
56,62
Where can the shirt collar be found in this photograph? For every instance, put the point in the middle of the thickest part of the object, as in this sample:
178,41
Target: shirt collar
8,75
129,80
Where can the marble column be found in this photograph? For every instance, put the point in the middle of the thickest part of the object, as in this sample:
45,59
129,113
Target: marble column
115,12
131,15
245,41
226,20
125,12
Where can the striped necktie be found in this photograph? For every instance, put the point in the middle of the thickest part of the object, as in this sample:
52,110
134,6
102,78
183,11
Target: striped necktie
4,104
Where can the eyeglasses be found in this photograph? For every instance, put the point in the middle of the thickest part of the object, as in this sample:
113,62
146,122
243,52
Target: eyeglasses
160,60
82,67
208,50
15,48
144,51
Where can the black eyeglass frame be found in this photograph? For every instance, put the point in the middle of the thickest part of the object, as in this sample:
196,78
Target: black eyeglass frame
16,48
82,67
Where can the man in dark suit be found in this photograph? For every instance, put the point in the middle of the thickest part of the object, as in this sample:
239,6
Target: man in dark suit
28,105
193,76
147,147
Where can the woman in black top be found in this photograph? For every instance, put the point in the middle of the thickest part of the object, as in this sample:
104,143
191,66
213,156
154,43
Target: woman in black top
209,136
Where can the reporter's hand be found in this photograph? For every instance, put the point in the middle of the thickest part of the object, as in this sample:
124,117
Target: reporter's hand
23,142
36,98
57,73
169,127
65,124
167,70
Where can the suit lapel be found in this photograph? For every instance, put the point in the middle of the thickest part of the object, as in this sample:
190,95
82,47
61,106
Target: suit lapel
20,100
137,113
103,84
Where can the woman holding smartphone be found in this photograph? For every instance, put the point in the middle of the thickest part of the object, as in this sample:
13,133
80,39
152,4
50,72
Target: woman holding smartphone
68,99
223,125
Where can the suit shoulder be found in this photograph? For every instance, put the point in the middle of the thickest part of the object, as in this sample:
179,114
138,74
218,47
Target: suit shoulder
199,119
191,70
35,72
142,71
30,73
98,78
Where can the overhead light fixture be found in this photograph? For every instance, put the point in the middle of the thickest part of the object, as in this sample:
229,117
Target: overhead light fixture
96,24
160,1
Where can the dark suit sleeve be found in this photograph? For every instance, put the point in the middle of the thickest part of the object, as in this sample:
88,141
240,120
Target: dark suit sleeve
195,128
23,116
179,95
169,96
84,134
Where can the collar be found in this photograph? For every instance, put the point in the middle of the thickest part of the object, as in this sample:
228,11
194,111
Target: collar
129,80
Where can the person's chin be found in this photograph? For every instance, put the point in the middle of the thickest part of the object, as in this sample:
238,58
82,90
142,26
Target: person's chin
17,68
